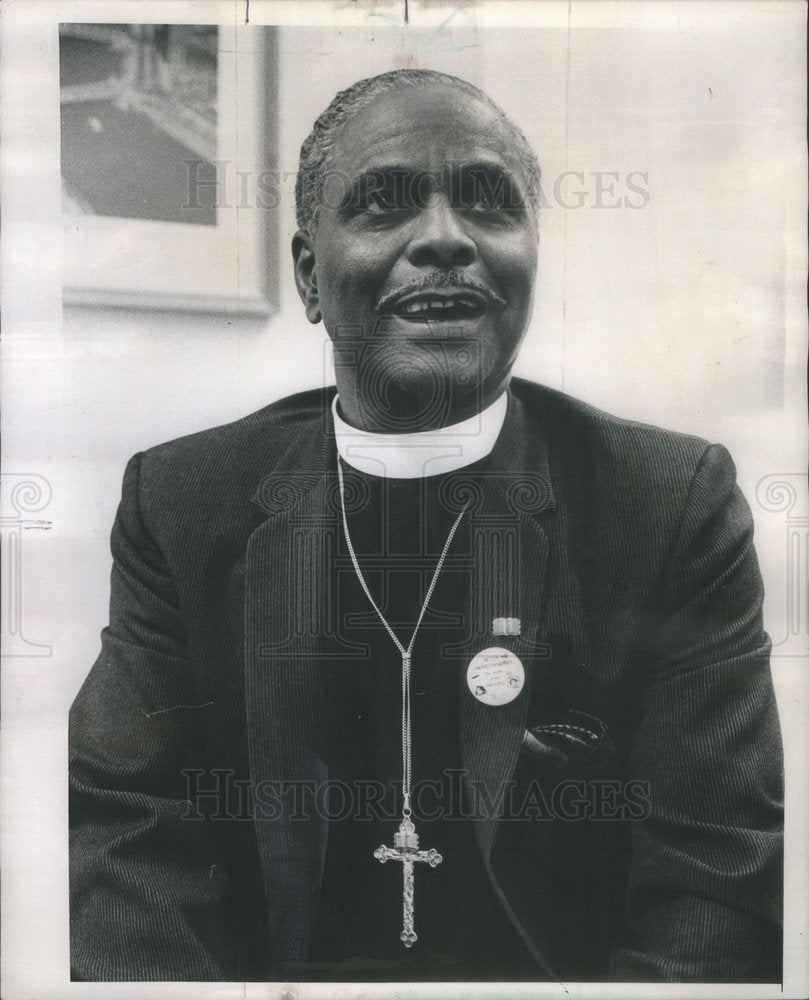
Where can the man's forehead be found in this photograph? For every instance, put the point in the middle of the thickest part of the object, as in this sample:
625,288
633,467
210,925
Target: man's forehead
423,128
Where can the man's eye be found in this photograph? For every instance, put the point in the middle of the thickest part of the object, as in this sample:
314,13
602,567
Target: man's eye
489,195
485,203
380,195
383,201
489,201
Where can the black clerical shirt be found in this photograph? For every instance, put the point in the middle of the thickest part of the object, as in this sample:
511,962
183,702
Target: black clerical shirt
398,528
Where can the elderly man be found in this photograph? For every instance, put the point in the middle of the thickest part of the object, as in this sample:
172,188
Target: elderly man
446,676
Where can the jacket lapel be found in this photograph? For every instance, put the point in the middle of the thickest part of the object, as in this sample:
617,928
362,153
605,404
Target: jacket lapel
491,735
286,577
508,580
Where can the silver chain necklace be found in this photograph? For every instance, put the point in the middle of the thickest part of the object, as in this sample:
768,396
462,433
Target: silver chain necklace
406,841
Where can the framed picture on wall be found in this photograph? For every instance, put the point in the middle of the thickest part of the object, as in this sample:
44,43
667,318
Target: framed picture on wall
159,133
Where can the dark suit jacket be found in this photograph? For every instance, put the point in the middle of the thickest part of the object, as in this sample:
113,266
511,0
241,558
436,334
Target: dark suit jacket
627,553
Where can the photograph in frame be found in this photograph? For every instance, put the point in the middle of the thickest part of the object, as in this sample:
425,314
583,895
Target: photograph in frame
668,285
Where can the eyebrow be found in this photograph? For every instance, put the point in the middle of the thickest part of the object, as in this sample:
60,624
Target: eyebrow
492,168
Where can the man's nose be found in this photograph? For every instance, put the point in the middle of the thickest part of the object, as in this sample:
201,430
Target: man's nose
440,239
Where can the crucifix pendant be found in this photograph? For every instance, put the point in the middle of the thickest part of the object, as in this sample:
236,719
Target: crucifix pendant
406,849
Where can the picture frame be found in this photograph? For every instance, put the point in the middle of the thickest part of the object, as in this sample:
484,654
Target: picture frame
111,260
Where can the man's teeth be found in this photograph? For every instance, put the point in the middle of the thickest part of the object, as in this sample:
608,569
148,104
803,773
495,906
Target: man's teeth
424,306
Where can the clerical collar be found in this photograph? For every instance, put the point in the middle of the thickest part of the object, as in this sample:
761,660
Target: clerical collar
423,453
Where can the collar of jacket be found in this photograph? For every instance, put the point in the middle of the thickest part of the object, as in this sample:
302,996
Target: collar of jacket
290,630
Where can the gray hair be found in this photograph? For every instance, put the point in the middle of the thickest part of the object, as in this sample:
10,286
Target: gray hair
318,145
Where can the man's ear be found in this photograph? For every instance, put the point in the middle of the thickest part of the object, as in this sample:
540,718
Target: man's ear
306,275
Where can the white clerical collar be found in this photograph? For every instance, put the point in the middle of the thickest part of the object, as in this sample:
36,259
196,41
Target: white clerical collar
423,453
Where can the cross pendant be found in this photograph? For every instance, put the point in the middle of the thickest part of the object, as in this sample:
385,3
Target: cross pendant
406,850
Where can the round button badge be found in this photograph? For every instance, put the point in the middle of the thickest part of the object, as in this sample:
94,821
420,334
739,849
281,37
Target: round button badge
495,676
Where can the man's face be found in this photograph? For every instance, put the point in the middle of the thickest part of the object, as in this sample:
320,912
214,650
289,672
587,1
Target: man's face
423,262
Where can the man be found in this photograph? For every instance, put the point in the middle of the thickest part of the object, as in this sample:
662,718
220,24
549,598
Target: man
505,644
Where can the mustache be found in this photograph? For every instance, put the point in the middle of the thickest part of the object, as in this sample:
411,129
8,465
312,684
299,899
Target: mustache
441,279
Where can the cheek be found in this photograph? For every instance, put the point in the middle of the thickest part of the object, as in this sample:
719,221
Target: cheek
523,291
524,258
336,288
514,259
353,275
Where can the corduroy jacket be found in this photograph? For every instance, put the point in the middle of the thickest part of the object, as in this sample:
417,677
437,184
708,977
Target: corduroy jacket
626,553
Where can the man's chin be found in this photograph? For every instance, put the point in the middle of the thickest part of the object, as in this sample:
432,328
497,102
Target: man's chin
418,398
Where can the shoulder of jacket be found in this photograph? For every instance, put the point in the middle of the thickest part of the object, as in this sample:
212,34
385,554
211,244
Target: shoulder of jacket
239,449
615,453
565,415
272,423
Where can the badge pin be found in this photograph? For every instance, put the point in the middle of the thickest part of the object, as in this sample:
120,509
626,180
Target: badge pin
505,626
495,676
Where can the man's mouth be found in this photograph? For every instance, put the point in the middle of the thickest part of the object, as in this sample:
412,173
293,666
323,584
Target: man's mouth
443,306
